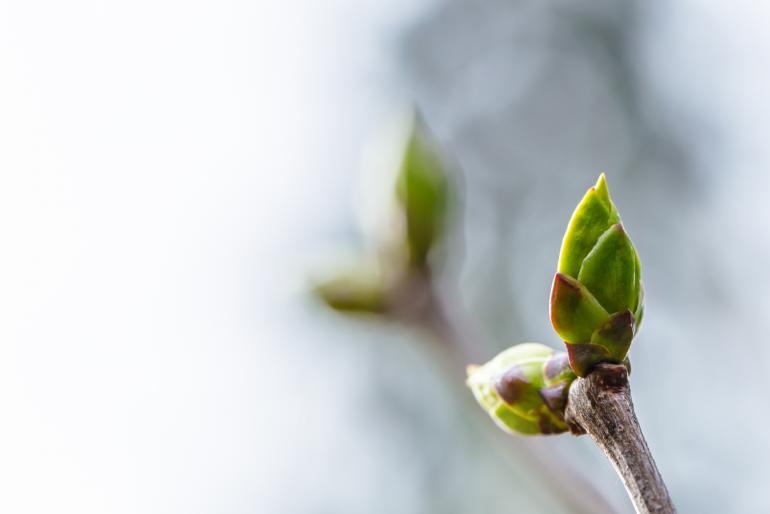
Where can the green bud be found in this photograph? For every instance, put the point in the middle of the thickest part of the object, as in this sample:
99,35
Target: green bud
422,191
406,230
354,290
597,299
524,388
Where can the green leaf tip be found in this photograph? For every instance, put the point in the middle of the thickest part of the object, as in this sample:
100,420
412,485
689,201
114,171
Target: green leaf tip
524,388
422,190
603,192
593,216
597,298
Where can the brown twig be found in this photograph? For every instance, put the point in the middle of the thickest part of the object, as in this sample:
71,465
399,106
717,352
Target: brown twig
600,405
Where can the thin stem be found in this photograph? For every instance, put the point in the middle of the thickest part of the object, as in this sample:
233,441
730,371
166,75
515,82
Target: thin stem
419,304
601,406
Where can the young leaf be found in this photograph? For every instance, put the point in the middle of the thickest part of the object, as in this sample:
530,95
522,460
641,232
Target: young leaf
575,313
609,270
422,190
593,215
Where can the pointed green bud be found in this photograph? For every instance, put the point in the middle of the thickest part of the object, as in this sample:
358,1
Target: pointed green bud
597,299
592,217
524,388
422,191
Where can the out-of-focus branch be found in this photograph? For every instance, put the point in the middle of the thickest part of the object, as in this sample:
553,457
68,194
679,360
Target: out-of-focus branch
417,303
397,283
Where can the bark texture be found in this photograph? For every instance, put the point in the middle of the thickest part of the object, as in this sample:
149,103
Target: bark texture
600,405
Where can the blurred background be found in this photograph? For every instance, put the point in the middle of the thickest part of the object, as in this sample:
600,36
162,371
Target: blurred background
172,173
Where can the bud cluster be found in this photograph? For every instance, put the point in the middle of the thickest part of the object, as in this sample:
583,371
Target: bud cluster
524,389
597,299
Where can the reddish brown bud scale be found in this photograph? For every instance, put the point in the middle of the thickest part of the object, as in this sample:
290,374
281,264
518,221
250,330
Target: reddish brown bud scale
556,366
524,388
584,356
555,397
616,334
512,385
548,426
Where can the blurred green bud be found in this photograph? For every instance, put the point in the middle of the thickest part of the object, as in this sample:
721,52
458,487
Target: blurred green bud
524,389
422,192
404,212
597,295
356,289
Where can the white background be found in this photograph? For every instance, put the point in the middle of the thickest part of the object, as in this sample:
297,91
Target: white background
165,167
161,164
